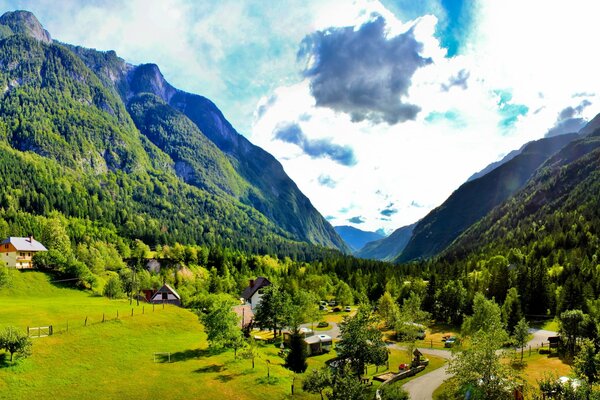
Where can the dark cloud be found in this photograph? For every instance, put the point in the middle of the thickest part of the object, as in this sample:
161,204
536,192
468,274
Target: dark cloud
460,80
362,72
356,220
569,120
315,148
326,180
388,212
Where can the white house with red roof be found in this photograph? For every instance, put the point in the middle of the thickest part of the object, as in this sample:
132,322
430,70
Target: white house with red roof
17,252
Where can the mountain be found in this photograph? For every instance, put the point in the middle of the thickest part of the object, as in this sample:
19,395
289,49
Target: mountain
89,136
387,249
268,189
496,164
474,199
356,238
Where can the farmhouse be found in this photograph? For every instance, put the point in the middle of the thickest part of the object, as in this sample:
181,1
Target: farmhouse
166,294
17,252
253,292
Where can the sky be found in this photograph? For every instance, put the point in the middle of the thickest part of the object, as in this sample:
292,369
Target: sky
378,110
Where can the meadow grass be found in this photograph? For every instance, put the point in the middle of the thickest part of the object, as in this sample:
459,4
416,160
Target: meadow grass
116,359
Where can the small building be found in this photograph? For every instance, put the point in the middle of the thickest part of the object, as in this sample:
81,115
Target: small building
166,294
318,344
244,311
18,252
253,292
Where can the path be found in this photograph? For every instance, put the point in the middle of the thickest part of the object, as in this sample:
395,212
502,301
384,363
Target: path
333,332
422,388
539,336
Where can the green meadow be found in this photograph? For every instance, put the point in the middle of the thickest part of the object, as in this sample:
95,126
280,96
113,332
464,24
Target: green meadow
116,359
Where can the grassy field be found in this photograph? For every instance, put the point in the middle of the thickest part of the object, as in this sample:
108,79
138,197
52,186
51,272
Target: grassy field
536,367
116,359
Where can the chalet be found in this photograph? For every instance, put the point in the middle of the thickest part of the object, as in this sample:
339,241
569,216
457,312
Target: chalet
253,292
17,252
166,294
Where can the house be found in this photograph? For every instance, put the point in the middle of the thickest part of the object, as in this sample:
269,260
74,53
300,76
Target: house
17,252
253,292
166,294
318,344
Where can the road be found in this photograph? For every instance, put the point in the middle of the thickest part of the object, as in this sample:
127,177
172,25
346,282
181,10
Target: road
422,388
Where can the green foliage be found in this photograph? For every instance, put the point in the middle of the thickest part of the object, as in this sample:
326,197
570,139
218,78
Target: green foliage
346,386
113,288
479,370
5,278
317,380
486,317
393,392
521,335
273,309
587,362
511,309
15,342
296,358
220,322
388,309
570,329
361,342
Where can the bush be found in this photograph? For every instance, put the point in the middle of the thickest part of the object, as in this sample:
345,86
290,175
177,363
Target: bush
323,324
113,288
15,342
393,392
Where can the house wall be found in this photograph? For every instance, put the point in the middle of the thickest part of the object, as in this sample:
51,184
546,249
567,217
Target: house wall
255,299
14,258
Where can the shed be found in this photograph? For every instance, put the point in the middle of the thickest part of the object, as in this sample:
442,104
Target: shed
166,294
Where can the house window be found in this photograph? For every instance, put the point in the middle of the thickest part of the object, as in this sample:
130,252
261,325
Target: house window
165,296
6,246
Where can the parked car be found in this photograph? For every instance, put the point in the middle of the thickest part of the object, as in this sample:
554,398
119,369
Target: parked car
450,342
337,309
323,307
332,303
348,309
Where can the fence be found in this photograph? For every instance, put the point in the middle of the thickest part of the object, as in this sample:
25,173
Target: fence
92,319
39,331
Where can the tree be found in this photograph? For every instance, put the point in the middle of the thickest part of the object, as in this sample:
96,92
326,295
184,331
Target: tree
587,362
113,288
273,308
346,386
317,381
570,328
296,358
486,317
15,342
450,302
361,342
521,334
511,309
388,309
343,294
221,323
251,350
479,369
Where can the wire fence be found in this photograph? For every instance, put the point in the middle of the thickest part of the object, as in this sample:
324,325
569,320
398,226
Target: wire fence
89,319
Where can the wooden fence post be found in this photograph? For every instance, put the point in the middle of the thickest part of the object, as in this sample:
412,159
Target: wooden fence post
431,343
132,312
27,330
85,323
117,314
51,331
102,317
67,325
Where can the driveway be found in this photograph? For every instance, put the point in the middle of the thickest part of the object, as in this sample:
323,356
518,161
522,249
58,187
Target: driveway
422,388
539,336
333,331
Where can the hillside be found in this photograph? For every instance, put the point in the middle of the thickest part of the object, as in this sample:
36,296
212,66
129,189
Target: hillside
105,146
474,199
116,359
356,238
387,249
267,187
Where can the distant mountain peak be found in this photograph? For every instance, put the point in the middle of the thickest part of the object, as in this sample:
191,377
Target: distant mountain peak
22,22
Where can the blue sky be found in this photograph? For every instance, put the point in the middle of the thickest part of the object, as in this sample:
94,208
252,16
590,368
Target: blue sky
377,109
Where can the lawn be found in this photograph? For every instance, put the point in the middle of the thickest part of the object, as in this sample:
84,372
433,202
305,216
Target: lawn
116,359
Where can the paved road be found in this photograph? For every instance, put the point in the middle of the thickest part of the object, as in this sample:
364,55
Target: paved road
539,336
422,388
334,330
